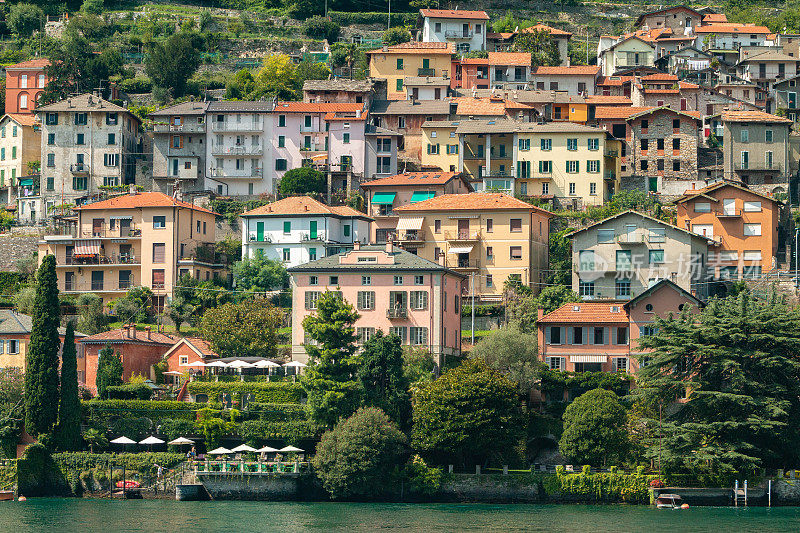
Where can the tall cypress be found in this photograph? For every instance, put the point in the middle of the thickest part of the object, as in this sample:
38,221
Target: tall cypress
68,431
41,361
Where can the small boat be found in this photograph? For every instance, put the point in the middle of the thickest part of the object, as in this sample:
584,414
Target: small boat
668,501
6,495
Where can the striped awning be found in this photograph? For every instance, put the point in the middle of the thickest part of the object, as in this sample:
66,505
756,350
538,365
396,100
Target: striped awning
460,249
86,247
588,358
411,223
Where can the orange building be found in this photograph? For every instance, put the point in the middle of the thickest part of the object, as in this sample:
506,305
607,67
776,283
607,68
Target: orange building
743,222
25,83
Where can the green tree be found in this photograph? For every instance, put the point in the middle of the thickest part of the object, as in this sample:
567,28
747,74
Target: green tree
41,361
394,36
333,393
595,429
135,306
170,64
512,352
468,414
321,28
380,371
68,431
259,274
358,457
736,365
109,371
95,7
303,180
542,47
91,319
24,19
247,329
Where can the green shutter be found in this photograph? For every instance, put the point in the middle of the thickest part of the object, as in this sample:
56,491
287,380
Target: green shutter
260,231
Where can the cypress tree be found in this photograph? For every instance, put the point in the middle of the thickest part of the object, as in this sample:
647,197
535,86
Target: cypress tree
68,432
41,361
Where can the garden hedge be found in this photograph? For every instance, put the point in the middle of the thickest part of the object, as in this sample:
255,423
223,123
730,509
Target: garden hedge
263,392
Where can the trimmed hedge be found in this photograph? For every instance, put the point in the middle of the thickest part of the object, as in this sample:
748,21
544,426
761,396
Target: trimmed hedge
257,431
280,392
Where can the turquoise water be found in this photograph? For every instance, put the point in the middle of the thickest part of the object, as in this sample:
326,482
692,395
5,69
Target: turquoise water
76,515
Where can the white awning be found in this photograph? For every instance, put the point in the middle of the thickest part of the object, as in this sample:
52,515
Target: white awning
412,223
588,358
86,247
460,249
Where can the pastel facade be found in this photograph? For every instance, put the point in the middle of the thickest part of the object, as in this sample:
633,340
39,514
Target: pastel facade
392,290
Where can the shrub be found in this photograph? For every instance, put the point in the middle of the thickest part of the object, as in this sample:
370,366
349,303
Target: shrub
321,28
281,392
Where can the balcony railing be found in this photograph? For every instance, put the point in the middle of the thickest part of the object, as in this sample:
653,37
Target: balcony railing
462,235
79,169
397,312
426,72
113,259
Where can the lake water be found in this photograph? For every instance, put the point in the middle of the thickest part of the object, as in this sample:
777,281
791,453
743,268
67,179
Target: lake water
86,515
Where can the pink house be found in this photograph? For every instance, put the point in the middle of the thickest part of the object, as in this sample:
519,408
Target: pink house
393,290
603,336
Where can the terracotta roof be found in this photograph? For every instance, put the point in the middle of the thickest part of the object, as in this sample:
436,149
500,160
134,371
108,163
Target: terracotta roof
300,205
732,27
548,29
587,312
413,178
317,107
752,116
602,100
83,102
140,200
415,47
476,201
23,119
454,14
578,70
616,112
519,59
120,335
31,64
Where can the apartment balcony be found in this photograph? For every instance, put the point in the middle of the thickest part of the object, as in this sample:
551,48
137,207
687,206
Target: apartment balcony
234,126
79,169
397,312
101,260
254,174
238,150
462,236
426,72
179,128
458,35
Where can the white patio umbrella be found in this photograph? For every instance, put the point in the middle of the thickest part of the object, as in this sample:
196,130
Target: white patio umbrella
267,449
220,451
123,440
244,448
239,364
181,440
290,449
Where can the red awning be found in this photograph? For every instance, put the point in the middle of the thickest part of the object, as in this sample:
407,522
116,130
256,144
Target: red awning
86,247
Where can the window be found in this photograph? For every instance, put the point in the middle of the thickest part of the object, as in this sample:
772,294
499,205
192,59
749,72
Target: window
585,288
744,135
593,144
345,138
656,256
752,230
280,164
313,280
546,144
311,299
593,166
768,136
366,280
572,168
516,225
572,144
623,288
419,300
516,252
418,336
622,336
572,188
419,280
159,222
366,300
398,280
158,252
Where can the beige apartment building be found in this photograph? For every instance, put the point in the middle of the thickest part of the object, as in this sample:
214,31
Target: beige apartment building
489,237
138,239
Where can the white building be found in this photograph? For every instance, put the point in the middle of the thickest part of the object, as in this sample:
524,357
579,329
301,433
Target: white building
467,29
299,229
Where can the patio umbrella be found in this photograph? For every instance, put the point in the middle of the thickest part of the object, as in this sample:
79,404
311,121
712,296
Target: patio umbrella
220,451
243,448
239,364
267,449
180,440
290,449
123,440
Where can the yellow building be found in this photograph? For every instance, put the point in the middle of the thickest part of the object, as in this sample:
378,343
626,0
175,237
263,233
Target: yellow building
394,63
20,144
490,237
139,239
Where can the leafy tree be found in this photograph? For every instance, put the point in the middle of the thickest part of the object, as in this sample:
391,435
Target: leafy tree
541,45
135,306
24,19
595,429
247,328
469,413
41,361
109,371
68,431
552,297
736,364
303,180
170,64
91,319
358,457
321,28
94,7
394,36
333,393
380,371
259,274
512,352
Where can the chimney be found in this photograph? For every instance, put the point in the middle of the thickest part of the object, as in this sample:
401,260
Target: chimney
389,246
356,245
147,331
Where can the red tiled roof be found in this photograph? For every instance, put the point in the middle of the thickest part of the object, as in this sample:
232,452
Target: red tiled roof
295,205
454,14
577,70
519,59
752,116
476,201
413,178
548,29
140,200
32,64
587,312
121,335
616,112
317,107
732,27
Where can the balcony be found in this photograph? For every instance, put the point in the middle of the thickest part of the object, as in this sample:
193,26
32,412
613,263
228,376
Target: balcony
397,312
79,169
179,128
245,125
462,235
426,72
458,34
237,150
